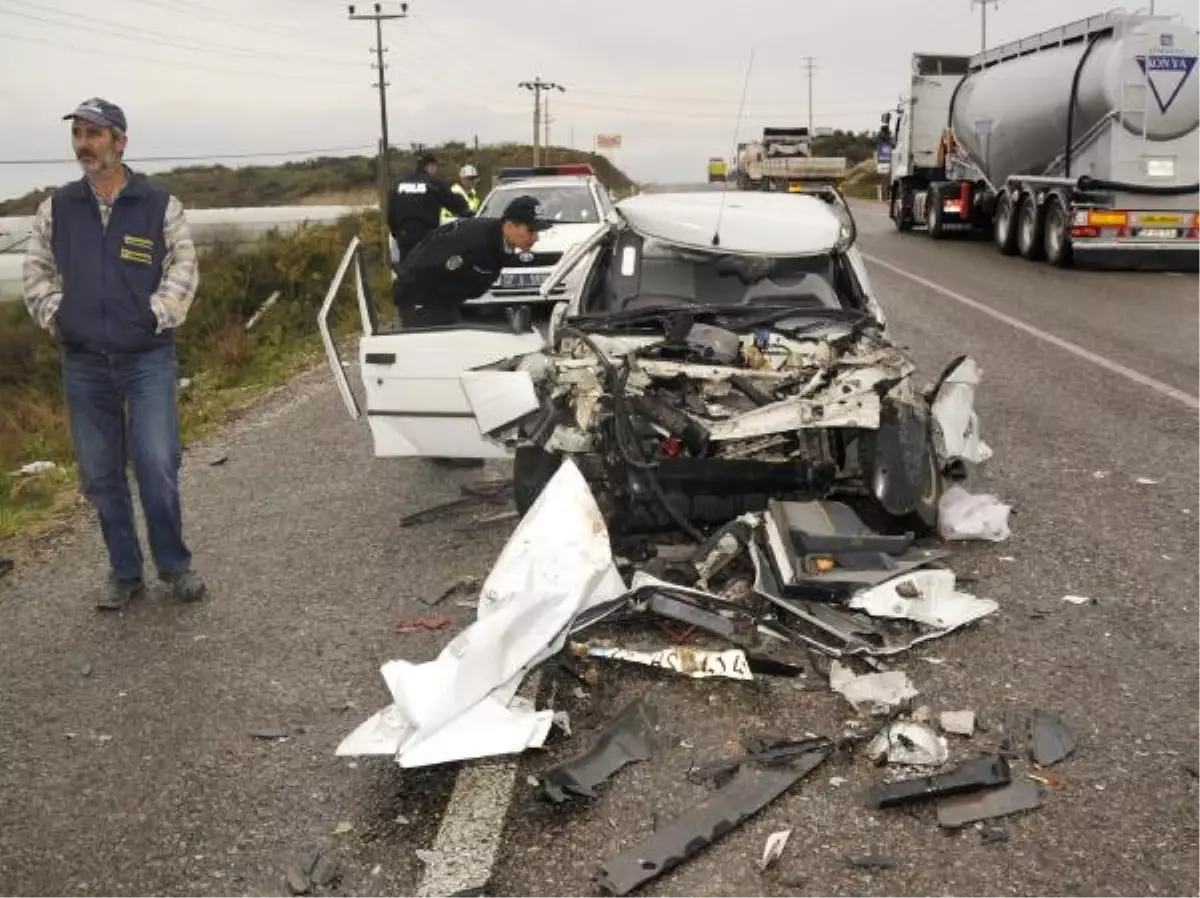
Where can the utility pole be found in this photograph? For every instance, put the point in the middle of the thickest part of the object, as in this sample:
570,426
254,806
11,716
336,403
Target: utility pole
537,85
385,175
809,66
983,20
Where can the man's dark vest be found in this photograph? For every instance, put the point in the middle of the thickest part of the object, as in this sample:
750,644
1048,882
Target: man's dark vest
109,274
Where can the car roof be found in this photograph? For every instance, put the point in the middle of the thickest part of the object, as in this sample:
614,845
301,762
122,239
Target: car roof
772,224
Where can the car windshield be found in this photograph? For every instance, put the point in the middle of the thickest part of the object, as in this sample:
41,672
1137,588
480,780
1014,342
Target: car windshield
565,204
655,274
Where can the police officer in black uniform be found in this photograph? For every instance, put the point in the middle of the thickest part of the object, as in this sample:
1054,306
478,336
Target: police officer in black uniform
416,202
461,260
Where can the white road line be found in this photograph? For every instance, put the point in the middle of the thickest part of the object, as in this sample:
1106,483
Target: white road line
1107,364
467,845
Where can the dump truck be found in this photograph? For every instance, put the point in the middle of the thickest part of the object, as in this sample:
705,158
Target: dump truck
783,160
1078,143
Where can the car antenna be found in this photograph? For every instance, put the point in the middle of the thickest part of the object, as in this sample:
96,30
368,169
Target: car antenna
716,238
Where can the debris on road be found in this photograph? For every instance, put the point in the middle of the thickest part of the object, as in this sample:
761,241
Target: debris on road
462,584
959,810
752,789
872,862
805,550
627,739
1079,600
960,723
773,850
1051,739
6,565
962,515
270,733
908,743
978,773
422,623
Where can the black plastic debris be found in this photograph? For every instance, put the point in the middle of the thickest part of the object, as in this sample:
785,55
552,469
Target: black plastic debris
978,773
1050,740
721,812
765,752
629,737
1019,795
6,565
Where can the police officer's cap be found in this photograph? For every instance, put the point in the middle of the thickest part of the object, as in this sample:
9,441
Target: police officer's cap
527,211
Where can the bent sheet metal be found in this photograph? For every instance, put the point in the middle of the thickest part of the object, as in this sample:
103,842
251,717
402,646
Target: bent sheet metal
460,705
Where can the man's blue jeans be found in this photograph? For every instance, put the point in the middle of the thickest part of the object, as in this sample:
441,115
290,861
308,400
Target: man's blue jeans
122,408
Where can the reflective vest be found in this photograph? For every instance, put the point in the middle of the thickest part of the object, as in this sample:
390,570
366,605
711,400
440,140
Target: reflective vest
471,196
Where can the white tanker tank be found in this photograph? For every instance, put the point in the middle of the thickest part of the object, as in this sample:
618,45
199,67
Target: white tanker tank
1081,139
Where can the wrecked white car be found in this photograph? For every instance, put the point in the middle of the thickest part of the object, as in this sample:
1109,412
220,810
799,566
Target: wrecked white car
722,350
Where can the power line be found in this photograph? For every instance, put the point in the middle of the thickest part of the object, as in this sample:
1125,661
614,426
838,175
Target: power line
166,63
127,34
212,14
201,158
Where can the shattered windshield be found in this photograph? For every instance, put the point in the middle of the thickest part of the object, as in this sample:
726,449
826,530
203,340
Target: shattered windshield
649,273
564,204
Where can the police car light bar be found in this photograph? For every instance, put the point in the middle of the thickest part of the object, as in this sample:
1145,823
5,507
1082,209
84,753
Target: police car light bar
515,173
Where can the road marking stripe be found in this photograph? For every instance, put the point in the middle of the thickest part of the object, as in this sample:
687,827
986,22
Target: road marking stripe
1107,364
467,845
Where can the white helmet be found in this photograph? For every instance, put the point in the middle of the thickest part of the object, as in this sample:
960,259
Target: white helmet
468,171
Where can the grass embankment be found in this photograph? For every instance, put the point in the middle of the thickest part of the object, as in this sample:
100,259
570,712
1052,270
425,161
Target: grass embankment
228,366
349,179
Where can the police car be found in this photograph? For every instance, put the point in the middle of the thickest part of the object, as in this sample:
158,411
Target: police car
573,198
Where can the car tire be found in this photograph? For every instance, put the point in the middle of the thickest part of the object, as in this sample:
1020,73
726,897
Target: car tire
533,467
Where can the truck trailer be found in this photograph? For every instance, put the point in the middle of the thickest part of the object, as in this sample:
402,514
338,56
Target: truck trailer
783,160
1077,143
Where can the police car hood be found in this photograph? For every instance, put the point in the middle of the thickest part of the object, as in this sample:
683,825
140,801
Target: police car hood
562,237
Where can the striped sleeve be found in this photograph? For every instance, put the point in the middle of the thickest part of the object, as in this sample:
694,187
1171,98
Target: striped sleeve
41,281
181,270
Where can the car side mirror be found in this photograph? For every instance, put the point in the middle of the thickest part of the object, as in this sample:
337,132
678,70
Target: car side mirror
520,319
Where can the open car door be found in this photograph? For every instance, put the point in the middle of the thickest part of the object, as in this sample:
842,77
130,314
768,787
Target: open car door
433,391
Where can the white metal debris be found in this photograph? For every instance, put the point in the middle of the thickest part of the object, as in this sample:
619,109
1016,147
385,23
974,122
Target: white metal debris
906,742
460,705
773,850
926,596
875,693
956,436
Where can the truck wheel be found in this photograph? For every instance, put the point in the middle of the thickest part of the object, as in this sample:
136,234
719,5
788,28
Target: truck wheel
532,469
1057,236
901,199
1004,234
934,216
1029,228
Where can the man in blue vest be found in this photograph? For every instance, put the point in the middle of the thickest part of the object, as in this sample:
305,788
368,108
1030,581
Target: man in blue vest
110,272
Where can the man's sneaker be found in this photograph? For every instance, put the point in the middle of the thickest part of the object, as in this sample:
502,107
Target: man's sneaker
185,586
120,592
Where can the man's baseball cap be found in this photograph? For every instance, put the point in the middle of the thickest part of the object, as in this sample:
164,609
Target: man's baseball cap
99,112
527,211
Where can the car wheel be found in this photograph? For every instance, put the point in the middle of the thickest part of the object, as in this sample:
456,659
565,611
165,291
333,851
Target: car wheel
532,469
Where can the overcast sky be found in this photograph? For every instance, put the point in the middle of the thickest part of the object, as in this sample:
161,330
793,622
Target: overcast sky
201,78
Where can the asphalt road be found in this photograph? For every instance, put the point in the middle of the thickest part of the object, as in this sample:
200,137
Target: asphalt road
128,762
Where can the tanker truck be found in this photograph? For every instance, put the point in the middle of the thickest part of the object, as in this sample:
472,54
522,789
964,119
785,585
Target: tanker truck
1079,143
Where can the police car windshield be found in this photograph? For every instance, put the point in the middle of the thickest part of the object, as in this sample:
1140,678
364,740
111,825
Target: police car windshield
573,204
668,275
